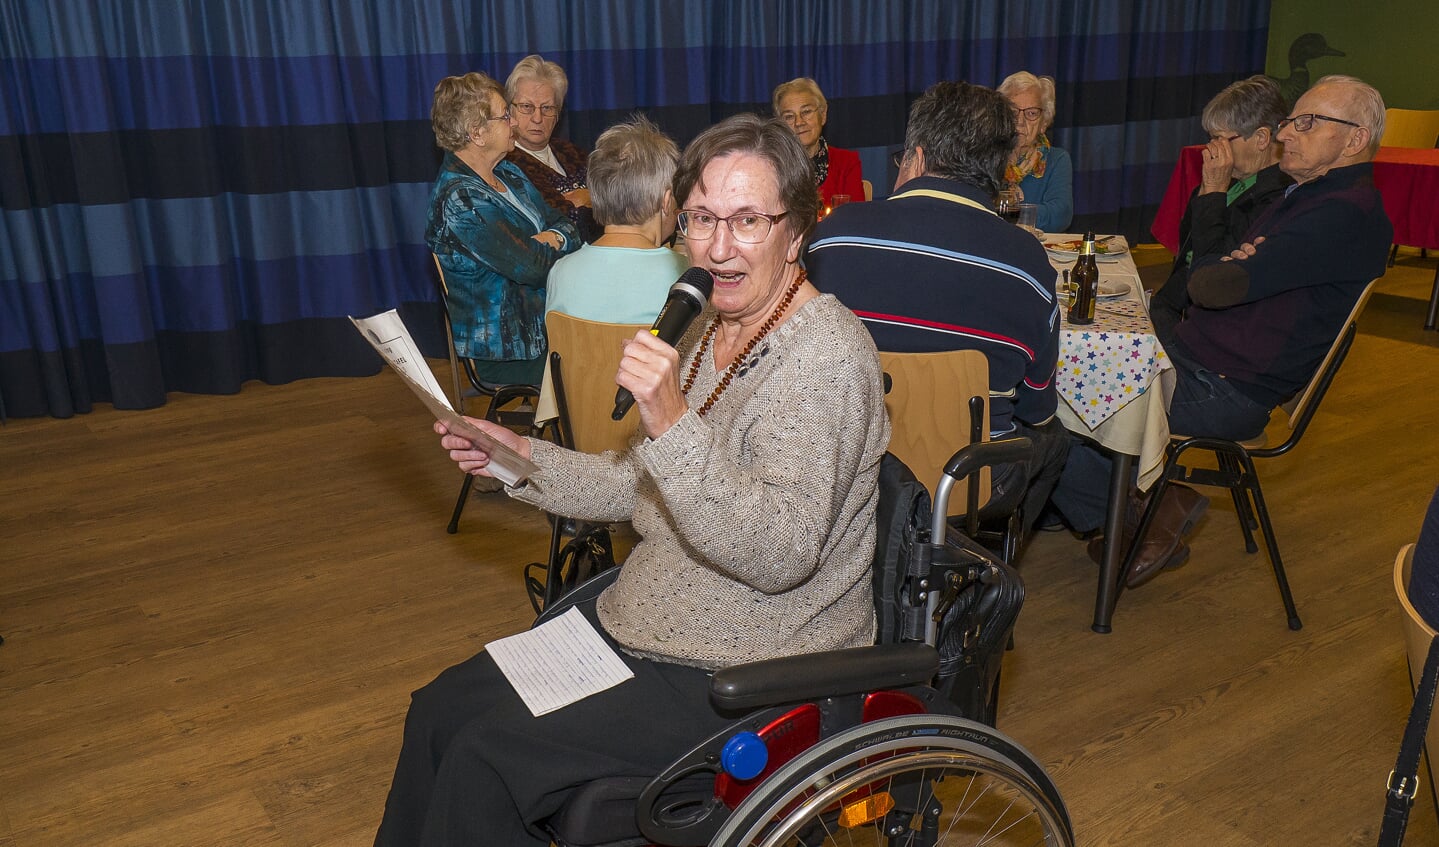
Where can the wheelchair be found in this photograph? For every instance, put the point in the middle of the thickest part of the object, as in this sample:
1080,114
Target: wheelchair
891,744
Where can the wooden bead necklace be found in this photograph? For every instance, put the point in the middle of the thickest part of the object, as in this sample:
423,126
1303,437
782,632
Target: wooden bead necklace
733,368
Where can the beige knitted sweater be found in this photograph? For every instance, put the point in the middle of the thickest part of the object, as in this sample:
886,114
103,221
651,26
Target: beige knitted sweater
757,520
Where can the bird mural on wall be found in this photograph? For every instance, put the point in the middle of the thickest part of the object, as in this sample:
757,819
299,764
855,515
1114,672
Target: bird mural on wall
1305,49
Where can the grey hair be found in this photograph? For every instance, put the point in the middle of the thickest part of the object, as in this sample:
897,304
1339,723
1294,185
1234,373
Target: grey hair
461,103
799,85
534,68
1025,81
1365,102
631,168
1245,106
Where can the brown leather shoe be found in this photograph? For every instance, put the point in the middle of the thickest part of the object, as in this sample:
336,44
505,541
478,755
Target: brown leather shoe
1139,575
1178,513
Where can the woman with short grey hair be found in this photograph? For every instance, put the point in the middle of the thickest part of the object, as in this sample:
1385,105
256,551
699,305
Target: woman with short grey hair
494,238
536,90
624,275
1040,172
801,105
1240,179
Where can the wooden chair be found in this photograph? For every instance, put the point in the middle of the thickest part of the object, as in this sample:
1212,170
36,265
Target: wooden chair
1417,637
868,189
583,358
509,405
938,403
1413,128
1236,466
579,393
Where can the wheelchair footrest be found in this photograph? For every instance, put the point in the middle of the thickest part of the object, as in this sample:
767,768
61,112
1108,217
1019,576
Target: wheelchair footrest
817,675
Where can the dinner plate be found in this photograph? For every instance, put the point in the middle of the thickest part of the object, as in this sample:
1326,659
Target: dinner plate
1111,288
1110,251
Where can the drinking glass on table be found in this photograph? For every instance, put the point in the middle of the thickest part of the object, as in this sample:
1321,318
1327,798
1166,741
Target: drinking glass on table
837,200
1029,217
1006,204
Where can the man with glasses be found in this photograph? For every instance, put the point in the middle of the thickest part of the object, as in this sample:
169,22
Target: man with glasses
933,268
1262,317
536,90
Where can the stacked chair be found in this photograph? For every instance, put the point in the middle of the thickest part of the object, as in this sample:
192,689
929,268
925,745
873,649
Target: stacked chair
937,403
509,405
578,396
1236,470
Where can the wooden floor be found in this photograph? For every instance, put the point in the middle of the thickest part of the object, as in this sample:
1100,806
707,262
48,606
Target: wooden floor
214,613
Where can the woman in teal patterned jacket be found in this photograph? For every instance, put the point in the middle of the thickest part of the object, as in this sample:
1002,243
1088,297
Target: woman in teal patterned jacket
492,232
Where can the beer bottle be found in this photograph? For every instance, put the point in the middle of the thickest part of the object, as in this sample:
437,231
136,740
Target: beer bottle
1086,283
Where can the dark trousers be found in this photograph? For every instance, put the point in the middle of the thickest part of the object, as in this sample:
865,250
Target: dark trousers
477,768
1204,403
1032,482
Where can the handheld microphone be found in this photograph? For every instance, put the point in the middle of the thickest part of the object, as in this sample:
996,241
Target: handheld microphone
687,298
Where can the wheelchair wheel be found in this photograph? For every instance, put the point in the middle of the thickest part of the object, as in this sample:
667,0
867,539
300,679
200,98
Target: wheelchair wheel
914,781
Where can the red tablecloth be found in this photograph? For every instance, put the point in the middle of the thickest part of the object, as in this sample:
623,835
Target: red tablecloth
1407,179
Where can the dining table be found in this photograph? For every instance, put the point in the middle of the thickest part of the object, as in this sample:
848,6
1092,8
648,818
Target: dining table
1114,382
1407,179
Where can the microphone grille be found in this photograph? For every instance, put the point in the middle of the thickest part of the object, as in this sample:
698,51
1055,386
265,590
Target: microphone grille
698,279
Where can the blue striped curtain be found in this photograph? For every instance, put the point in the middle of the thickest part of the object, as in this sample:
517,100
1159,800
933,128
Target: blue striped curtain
195,194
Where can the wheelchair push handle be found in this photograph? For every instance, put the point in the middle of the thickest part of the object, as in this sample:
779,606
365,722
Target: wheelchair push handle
969,460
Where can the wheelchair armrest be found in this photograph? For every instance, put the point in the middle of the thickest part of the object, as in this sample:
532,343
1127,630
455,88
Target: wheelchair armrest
816,675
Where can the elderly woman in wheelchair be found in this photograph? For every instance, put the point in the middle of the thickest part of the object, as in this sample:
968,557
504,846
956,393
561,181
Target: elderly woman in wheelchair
753,486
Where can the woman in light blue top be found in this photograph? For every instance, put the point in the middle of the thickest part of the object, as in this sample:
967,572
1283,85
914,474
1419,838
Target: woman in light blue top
1042,173
624,276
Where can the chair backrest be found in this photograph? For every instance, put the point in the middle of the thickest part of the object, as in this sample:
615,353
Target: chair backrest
1301,406
1417,633
1410,128
868,189
930,417
584,356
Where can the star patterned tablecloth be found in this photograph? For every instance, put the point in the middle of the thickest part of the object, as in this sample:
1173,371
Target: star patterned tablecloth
1114,379
1109,363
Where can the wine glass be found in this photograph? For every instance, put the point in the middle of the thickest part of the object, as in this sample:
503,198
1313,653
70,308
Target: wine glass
1006,204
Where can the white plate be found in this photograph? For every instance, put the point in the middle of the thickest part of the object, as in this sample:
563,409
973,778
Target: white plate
1110,251
1111,288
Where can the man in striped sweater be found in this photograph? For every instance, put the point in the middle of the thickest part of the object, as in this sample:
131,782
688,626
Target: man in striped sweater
933,268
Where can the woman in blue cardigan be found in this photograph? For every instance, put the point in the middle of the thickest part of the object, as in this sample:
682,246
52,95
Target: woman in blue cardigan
1042,173
495,237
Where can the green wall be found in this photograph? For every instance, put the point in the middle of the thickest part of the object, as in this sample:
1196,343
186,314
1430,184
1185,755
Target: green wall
1390,44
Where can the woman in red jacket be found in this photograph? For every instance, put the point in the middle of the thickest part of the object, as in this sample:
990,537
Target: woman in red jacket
801,105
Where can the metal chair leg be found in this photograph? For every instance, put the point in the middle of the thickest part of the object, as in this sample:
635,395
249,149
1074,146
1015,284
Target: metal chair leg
1240,493
454,526
1433,303
1270,542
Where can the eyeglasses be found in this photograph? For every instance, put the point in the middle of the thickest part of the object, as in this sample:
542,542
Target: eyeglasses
897,158
502,116
527,109
1304,123
1217,137
1031,114
749,227
806,113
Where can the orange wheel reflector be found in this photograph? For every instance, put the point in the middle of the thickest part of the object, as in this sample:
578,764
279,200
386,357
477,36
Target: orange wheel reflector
868,810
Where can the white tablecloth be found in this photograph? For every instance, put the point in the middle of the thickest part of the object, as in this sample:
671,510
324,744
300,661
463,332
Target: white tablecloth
1114,379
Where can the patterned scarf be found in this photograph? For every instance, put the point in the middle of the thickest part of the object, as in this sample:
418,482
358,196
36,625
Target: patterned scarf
1032,165
821,163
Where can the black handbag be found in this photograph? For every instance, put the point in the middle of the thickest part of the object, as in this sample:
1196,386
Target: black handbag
1404,779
